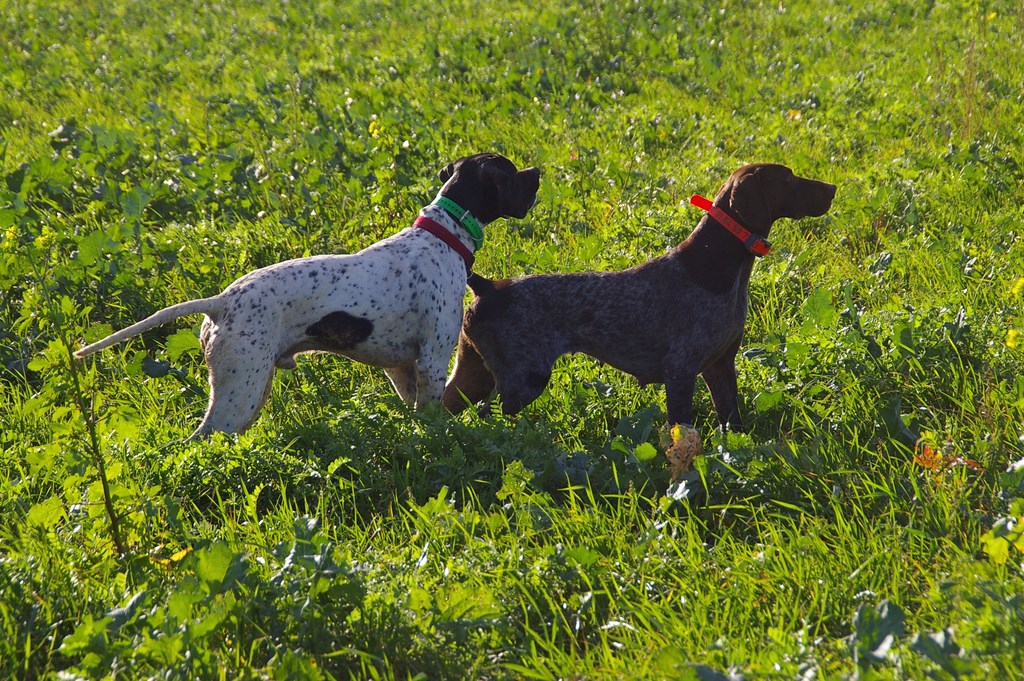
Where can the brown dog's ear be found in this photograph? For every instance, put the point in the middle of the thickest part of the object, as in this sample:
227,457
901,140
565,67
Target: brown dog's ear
445,173
751,193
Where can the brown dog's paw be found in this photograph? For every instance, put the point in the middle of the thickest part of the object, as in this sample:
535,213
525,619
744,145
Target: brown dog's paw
684,449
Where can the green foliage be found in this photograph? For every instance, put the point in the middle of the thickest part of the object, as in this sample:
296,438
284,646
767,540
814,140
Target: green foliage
869,522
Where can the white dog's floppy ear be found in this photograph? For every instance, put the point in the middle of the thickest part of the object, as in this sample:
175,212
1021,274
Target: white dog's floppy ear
497,175
500,177
446,172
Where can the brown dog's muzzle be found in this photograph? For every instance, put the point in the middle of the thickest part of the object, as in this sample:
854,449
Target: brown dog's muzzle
820,196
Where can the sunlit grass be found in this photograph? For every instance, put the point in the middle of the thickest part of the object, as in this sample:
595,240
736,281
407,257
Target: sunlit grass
153,153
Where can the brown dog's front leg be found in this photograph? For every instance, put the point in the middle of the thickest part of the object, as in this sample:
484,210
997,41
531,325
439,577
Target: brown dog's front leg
679,385
720,378
686,444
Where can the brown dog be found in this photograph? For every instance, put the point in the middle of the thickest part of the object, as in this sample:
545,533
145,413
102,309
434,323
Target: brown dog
665,321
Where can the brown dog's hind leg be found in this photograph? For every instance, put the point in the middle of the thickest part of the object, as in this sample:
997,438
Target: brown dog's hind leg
522,386
471,380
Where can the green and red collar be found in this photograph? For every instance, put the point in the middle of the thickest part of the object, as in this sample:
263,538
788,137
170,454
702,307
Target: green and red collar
445,235
463,217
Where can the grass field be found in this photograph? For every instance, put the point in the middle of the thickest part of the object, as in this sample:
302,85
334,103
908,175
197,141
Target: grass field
869,525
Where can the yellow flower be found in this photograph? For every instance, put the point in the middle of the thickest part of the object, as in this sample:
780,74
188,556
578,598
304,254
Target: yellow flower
1013,338
1018,286
178,556
375,128
47,237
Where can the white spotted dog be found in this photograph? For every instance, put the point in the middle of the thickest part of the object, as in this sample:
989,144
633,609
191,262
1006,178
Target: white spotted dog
396,304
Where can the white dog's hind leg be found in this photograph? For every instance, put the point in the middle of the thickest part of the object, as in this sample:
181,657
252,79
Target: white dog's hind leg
239,385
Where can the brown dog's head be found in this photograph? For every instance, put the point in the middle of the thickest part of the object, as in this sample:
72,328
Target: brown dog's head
760,194
490,187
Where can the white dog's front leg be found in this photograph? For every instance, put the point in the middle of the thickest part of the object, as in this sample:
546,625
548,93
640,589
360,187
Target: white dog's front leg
436,351
430,386
405,379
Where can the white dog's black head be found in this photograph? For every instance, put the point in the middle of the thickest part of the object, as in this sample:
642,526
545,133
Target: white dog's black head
490,187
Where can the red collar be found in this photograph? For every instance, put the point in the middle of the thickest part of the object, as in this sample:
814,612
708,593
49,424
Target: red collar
756,244
444,235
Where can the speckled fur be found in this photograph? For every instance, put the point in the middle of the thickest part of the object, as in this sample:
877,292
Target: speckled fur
667,320
396,304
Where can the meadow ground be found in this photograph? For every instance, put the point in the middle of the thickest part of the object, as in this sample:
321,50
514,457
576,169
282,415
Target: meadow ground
869,524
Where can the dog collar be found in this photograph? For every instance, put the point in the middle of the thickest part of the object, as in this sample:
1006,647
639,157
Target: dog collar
444,235
756,244
463,217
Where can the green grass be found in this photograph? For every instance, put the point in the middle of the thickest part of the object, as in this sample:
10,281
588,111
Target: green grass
868,525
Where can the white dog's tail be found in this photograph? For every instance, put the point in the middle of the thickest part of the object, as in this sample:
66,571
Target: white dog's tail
209,306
